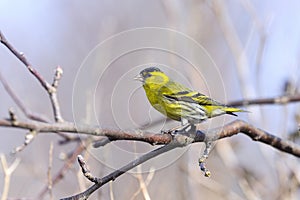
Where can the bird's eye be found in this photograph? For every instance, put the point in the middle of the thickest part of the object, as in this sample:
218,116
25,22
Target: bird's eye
147,75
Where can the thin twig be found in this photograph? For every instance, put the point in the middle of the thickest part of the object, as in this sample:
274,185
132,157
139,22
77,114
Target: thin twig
23,59
119,172
111,192
51,89
17,100
57,77
85,170
7,174
143,186
264,101
28,139
30,114
102,142
147,182
49,174
61,173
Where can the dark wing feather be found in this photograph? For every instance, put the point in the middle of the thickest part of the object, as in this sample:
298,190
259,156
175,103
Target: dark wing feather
174,97
199,98
186,95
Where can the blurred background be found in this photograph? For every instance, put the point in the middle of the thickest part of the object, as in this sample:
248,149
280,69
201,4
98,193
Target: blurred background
229,50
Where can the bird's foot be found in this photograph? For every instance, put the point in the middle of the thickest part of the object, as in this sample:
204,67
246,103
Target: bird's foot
171,132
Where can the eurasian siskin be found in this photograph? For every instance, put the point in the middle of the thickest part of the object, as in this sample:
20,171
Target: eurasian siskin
177,101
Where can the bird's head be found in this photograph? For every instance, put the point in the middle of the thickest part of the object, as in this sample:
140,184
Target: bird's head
152,77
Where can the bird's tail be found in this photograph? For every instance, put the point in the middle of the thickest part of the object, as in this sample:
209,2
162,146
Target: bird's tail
220,110
232,110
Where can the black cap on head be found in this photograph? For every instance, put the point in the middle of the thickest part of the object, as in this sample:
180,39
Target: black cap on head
150,69
146,73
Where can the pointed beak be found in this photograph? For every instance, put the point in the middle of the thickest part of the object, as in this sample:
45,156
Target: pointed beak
139,78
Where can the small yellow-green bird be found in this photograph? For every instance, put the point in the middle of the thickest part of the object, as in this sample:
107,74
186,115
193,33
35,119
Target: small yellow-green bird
178,102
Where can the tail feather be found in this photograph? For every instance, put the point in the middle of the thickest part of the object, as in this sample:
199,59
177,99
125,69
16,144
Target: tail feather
231,113
231,110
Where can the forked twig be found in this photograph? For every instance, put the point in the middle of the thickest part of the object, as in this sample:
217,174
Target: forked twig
101,181
51,89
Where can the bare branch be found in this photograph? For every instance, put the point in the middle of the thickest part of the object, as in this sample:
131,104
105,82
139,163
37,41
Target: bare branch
67,165
256,134
49,174
111,192
237,126
264,101
171,141
53,95
28,139
102,142
51,89
151,138
28,113
16,99
119,172
180,139
85,170
143,183
7,174
24,60
57,77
